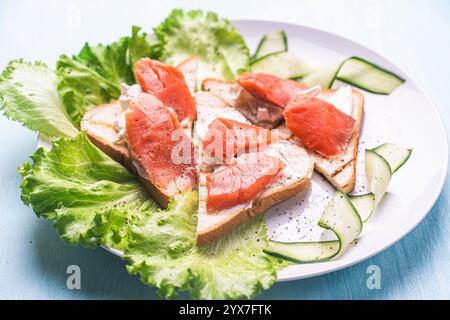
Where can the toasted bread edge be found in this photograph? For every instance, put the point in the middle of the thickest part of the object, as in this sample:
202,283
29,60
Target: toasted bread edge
347,184
276,196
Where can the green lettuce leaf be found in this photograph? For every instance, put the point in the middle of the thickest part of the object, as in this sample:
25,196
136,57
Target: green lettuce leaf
92,201
90,197
162,250
142,46
82,88
110,61
94,76
221,49
28,95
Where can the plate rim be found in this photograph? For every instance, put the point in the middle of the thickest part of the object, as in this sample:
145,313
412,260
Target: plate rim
433,199
436,110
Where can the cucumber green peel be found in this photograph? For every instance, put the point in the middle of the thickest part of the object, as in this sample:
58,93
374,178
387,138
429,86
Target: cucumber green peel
378,173
281,64
357,72
395,156
347,227
344,215
271,43
272,57
303,252
341,217
381,163
364,204
369,76
323,77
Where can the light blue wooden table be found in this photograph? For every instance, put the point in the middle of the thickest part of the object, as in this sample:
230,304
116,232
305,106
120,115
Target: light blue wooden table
33,261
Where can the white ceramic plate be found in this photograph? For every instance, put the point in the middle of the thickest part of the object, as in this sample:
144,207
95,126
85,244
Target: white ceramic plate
407,117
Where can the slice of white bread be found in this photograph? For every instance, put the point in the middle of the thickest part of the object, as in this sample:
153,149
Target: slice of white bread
101,122
341,171
100,125
293,179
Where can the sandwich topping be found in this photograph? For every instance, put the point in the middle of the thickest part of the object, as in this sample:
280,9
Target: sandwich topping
240,181
227,138
168,85
323,127
271,88
161,150
319,125
128,93
236,164
343,100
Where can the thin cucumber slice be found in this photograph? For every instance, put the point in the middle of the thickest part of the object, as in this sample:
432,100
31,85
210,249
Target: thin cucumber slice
357,72
381,163
271,43
395,155
303,252
378,174
368,76
345,215
281,64
364,204
322,76
341,217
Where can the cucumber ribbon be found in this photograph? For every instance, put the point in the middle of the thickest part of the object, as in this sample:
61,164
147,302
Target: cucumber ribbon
272,57
344,215
357,72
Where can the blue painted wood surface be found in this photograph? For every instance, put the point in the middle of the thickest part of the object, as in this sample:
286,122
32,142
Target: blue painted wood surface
33,261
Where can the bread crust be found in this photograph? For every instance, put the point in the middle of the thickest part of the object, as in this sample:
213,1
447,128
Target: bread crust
295,178
339,172
276,196
100,125
100,132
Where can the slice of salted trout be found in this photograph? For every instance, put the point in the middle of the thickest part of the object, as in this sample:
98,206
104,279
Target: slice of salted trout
240,181
168,85
161,151
227,138
271,88
319,125
254,108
